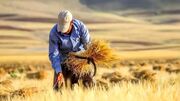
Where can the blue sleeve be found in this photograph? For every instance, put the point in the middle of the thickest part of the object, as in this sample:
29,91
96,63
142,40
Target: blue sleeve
85,37
54,54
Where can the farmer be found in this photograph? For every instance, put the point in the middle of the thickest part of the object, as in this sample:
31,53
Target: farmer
68,35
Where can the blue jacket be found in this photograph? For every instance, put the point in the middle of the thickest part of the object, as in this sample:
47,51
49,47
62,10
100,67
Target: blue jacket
60,44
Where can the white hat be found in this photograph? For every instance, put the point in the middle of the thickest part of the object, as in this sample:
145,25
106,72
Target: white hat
64,20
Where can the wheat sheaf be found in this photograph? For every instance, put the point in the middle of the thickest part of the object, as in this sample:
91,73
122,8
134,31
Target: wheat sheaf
98,50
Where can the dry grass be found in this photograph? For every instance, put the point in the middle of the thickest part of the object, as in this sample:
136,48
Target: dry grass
137,84
2,72
25,92
6,88
144,75
37,75
127,91
102,83
117,77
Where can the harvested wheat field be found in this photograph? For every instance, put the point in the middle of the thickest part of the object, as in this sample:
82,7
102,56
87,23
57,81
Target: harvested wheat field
137,51
137,80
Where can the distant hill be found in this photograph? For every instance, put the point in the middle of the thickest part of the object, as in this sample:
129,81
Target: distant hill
39,7
92,10
111,5
49,9
154,11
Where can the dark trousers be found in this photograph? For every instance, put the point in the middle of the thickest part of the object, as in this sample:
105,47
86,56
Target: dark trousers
71,79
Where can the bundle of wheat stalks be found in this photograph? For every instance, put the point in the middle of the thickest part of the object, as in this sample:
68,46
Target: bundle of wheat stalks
98,50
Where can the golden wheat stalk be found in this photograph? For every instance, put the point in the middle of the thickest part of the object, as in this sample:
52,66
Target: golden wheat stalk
100,51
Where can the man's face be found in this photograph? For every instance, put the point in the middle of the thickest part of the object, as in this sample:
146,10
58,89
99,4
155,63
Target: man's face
70,28
64,26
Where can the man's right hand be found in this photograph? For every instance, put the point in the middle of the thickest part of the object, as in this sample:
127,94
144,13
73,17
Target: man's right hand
60,79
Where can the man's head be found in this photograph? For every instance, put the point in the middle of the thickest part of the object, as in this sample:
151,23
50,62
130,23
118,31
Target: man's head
64,21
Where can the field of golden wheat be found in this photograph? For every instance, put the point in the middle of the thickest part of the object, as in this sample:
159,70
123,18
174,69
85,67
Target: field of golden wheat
147,45
138,80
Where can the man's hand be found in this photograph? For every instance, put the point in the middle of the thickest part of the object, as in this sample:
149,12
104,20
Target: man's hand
60,79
